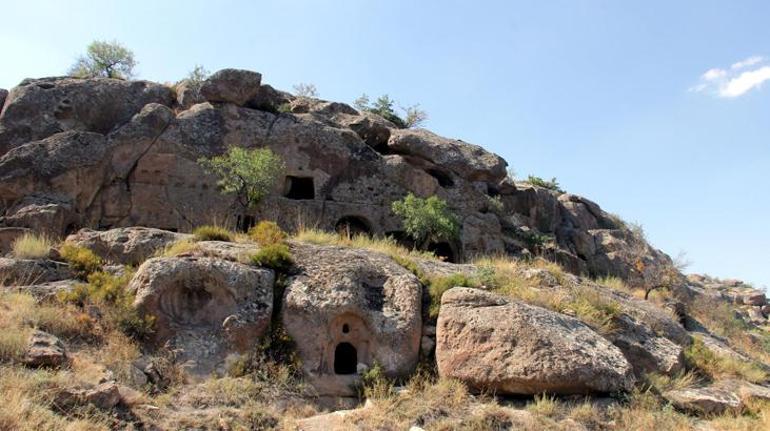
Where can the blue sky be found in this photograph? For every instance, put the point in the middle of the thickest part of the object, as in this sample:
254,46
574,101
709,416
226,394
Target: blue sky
656,110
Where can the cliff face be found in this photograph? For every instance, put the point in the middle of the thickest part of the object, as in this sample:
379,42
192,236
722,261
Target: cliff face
107,153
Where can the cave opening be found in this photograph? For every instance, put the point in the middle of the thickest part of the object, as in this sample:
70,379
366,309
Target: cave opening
444,251
299,188
345,359
351,226
443,178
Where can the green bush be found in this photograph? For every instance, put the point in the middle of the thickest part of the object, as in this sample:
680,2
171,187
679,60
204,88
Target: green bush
116,303
105,59
427,220
82,260
274,256
267,233
249,174
550,185
212,233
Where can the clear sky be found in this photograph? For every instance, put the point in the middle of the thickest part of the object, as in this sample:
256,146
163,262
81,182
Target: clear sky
654,109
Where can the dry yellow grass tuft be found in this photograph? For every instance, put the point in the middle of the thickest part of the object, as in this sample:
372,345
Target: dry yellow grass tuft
178,248
31,246
386,245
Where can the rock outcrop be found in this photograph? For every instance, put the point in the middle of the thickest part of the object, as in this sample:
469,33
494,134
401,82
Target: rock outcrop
204,307
498,344
108,153
39,108
45,350
349,307
129,246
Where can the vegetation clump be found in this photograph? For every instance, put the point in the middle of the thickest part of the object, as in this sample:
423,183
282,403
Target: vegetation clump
267,233
383,106
540,182
212,233
105,59
109,293
81,259
427,221
31,246
274,256
249,174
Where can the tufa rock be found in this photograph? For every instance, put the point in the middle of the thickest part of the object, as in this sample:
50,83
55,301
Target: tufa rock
494,343
231,86
32,271
347,307
39,108
709,400
128,246
3,96
202,294
45,350
8,236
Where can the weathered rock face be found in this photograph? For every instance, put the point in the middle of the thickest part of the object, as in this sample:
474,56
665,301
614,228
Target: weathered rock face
231,85
710,400
45,350
204,293
348,307
494,343
39,108
32,271
129,246
136,164
8,235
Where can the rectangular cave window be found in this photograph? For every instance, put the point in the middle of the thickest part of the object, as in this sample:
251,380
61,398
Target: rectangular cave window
299,188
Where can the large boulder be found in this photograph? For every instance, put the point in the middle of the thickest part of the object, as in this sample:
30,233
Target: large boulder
207,294
348,307
129,245
467,160
39,108
231,86
494,343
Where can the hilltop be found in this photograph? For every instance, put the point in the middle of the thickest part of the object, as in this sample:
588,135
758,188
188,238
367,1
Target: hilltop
125,307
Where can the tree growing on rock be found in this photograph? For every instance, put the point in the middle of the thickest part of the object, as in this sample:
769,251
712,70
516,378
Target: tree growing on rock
105,59
652,275
249,174
306,90
383,106
427,221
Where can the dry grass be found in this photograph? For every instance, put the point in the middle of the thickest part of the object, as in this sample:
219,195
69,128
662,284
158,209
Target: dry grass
82,260
645,412
213,233
516,279
184,246
31,246
717,366
385,245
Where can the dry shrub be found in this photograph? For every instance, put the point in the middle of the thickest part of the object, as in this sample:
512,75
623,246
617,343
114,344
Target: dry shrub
386,245
82,260
176,248
267,233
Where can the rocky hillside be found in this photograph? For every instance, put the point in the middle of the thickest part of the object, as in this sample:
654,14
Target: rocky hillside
119,309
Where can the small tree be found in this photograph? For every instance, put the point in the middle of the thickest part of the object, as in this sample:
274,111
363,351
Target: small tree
196,77
105,59
427,220
415,117
306,90
249,174
383,106
653,275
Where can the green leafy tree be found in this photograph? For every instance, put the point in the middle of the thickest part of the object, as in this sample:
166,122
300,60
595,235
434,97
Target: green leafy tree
196,77
105,59
249,174
428,220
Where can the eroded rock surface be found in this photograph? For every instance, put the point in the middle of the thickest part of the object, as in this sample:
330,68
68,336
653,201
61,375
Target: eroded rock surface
45,350
348,307
494,343
130,246
204,306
